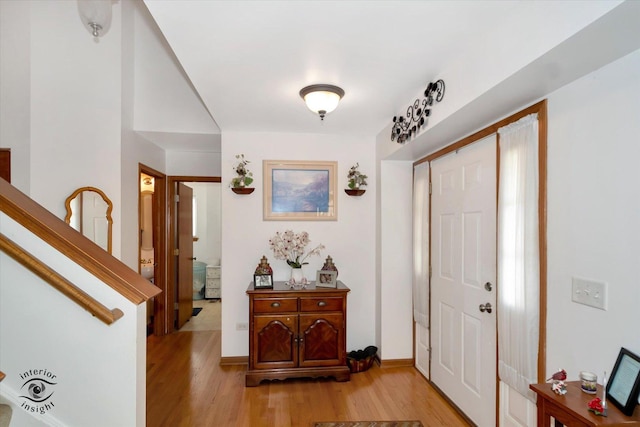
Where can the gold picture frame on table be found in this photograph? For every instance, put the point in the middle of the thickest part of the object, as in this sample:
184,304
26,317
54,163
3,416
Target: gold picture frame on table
300,190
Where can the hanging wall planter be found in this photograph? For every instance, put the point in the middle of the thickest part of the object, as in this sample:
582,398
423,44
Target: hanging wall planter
244,178
354,192
242,190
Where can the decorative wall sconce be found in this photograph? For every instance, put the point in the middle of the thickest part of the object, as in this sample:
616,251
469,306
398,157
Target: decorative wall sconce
322,98
405,128
95,15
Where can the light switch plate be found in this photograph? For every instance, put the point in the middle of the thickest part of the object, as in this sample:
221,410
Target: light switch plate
589,292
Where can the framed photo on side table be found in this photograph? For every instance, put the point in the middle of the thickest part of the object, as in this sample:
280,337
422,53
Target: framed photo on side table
624,383
263,281
326,279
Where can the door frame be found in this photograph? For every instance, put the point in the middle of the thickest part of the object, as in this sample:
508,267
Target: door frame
159,213
172,242
541,109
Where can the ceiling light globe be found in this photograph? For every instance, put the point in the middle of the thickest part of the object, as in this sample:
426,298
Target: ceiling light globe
322,99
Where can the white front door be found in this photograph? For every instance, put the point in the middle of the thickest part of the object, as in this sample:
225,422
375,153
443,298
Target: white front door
463,251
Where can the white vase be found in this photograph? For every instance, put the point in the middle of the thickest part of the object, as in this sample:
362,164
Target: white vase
297,280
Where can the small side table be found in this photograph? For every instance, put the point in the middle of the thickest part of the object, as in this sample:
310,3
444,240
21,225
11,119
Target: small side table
571,409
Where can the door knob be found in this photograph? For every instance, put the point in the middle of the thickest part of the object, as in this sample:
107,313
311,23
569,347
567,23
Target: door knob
192,258
488,286
486,307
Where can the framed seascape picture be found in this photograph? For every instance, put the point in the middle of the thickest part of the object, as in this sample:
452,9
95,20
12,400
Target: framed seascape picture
624,384
300,190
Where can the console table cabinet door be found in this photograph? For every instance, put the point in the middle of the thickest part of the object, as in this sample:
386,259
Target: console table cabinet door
275,341
322,340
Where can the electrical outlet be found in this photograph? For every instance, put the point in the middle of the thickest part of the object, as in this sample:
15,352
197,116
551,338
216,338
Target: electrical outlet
241,326
589,292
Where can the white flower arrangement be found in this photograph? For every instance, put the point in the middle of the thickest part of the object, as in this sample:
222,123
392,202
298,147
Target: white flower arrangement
290,246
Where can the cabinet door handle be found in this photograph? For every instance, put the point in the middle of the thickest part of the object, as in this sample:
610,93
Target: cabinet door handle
321,303
275,304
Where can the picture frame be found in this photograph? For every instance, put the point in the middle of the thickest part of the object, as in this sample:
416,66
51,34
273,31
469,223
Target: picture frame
300,190
263,281
326,279
624,383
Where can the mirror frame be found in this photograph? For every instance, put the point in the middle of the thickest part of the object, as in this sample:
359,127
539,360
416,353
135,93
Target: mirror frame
67,204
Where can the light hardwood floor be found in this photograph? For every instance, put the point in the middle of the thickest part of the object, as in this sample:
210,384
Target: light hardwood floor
187,387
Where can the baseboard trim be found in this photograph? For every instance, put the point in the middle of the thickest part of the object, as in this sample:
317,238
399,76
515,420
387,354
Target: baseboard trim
235,360
396,363
387,363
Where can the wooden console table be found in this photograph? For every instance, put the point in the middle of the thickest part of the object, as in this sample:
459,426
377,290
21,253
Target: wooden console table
571,409
297,333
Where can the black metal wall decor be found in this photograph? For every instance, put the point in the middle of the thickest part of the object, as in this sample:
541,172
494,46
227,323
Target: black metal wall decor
406,127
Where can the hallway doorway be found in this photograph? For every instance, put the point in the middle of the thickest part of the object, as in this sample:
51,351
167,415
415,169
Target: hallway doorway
152,219
205,237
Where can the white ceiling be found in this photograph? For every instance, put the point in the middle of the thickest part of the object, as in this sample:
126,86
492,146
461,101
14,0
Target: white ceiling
248,60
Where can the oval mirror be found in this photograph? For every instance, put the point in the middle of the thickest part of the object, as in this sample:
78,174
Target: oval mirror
89,212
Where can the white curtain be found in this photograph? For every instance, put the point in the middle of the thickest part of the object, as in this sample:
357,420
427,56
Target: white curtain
421,244
518,255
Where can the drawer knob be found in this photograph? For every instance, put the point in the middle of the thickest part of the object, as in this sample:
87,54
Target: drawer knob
321,303
275,304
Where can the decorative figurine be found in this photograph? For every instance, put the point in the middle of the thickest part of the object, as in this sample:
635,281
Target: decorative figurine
557,382
329,265
263,276
561,375
559,387
264,267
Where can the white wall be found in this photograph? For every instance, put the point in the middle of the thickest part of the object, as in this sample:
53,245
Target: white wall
194,163
15,102
98,367
165,98
350,240
395,264
593,206
75,108
208,247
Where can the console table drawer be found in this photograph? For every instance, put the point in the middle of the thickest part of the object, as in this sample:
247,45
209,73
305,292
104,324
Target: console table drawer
321,304
275,305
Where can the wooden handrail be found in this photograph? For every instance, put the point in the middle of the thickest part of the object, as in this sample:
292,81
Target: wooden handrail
74,245
74,293
2,375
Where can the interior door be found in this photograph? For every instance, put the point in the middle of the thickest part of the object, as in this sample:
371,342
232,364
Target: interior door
5,164
463,250
185,255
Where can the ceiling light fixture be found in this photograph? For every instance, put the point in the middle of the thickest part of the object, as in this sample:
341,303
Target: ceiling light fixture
404,128
321,99
95,15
